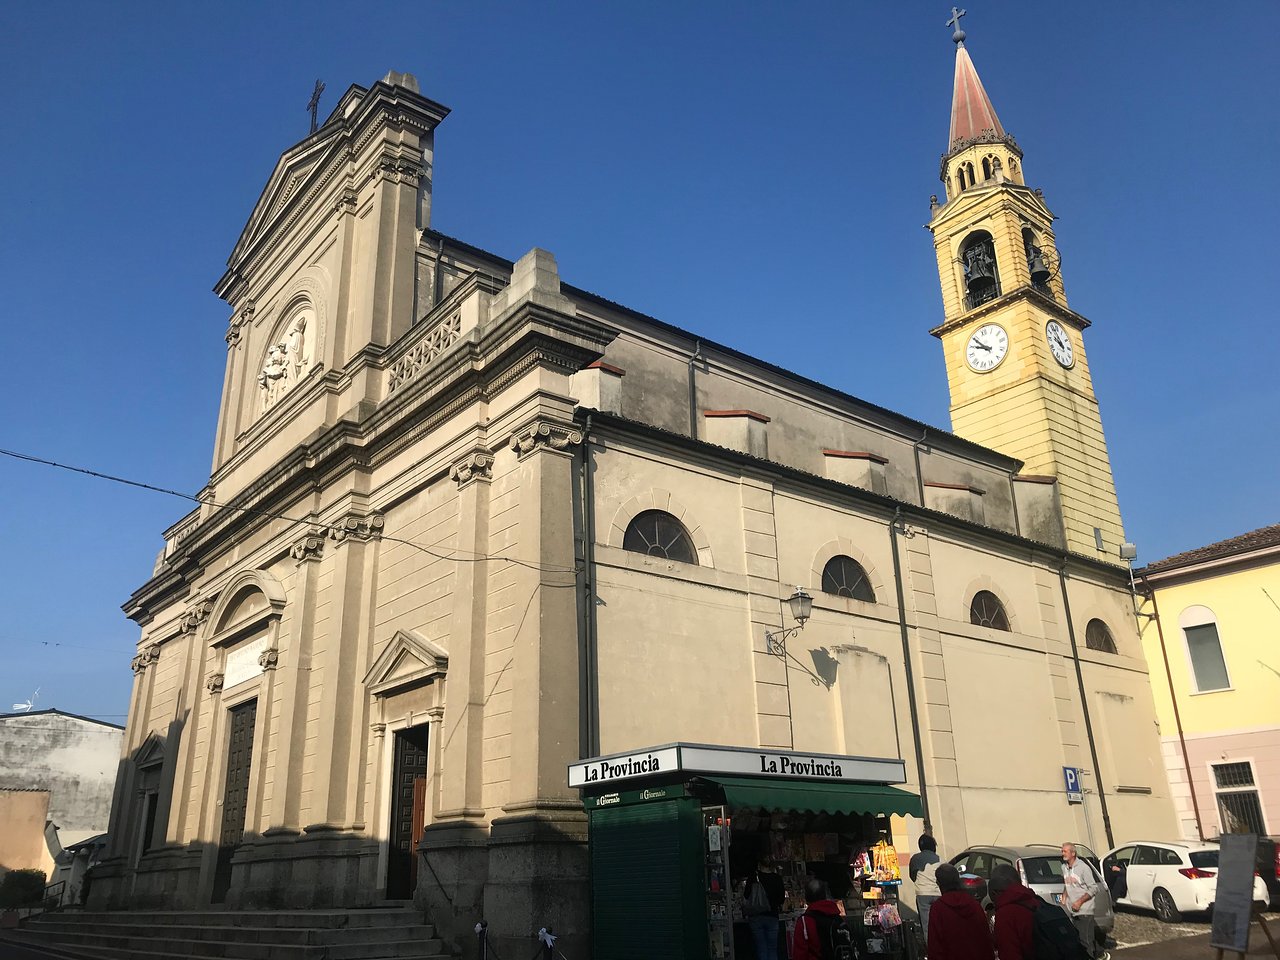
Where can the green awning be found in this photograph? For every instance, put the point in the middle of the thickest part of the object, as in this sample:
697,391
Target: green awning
816,796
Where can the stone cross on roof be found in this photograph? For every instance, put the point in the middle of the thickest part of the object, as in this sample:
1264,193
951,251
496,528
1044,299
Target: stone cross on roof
314,105
956,14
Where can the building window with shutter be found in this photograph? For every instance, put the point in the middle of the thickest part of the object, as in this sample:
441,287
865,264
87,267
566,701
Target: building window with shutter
1204,650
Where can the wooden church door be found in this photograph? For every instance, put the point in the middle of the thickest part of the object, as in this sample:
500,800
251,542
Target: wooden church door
408,811
236,793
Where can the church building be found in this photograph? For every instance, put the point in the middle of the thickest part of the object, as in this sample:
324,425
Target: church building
475,538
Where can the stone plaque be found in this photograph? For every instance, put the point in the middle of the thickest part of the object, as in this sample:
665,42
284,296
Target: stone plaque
242,661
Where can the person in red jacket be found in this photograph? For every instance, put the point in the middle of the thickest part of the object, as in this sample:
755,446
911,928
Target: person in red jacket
1015,907
958,928
806,941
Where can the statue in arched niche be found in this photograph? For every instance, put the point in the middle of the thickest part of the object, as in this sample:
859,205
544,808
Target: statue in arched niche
289,359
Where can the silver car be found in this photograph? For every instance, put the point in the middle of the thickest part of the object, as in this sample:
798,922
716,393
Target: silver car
1039,868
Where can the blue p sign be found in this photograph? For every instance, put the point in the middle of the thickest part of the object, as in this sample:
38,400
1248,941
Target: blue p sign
1071,780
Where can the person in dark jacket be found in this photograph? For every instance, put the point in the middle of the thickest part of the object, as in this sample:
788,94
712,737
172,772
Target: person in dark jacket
764,926
806,941
958,927
1015,907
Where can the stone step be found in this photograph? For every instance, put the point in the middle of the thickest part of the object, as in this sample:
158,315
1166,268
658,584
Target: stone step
176,942
112,948
368,917
54,927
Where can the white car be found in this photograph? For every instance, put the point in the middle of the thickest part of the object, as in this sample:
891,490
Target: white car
1169,878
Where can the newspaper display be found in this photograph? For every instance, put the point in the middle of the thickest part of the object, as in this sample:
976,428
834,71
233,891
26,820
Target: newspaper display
1233,901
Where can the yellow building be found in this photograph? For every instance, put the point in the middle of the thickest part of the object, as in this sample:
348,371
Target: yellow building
1016,362
1212,642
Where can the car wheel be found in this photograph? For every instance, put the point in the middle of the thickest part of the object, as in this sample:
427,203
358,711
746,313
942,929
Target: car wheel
1164,906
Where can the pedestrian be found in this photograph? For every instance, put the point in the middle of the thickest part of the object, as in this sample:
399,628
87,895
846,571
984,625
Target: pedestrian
958,928
921,869
762,911
1080,887
813,928
1015,909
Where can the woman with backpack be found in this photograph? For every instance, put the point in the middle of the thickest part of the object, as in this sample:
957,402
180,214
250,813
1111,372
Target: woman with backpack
761,901
822,932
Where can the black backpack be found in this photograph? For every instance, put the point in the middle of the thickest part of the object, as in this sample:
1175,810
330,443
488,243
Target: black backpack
834,936
1053,935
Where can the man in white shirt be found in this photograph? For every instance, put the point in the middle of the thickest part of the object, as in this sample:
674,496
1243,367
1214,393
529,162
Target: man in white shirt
1080,888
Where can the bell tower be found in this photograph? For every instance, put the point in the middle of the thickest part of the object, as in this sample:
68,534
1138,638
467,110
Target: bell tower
1015,353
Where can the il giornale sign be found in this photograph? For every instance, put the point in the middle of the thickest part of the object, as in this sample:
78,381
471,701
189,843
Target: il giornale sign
746,761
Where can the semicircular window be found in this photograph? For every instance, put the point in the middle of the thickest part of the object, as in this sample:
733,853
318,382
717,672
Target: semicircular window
1097,636
986,610
844,577
657,533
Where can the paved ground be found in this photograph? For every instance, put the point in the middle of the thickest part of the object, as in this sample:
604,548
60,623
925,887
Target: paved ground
1140,936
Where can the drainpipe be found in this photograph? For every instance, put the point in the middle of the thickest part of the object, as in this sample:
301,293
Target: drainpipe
1177,717
589,682
915,449
1084,706
439,280
693,395
906,663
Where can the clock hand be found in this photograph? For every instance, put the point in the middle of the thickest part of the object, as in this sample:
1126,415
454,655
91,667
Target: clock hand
979,343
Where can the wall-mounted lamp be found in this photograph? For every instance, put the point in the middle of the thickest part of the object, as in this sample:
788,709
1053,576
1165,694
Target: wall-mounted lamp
801,608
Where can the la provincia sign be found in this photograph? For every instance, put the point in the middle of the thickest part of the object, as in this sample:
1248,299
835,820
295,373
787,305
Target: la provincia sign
747,761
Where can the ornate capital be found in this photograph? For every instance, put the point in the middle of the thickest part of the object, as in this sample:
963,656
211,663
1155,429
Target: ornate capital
190,621
358,527
138,664
477,465
214,683
246,312
378,729
346,202
151,654
399,170
269,659
309,547
544,435
233,335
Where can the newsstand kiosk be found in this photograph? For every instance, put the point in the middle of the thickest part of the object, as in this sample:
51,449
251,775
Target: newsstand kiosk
675,830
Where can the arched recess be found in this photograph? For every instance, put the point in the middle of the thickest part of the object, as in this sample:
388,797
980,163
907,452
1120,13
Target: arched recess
977,586
657,499
250,600
1099,637
843,546
296,343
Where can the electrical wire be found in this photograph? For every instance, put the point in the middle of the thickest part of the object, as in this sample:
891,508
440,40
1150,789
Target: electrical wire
307,522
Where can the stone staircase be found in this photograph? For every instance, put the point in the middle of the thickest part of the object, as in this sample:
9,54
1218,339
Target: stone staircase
392,933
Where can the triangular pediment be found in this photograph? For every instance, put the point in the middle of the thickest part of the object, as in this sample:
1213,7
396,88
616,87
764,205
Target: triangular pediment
151,752
409,660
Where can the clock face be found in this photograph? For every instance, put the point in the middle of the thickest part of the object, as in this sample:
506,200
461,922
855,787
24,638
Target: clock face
987,347
1059,343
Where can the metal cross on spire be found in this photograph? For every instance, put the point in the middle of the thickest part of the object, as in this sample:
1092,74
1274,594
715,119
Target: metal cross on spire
314,105
956,14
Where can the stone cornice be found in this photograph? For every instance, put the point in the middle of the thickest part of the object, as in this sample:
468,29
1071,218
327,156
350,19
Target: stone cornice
336,147
1025,294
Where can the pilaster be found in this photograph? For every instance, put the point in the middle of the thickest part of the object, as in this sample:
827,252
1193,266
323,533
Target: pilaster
460,751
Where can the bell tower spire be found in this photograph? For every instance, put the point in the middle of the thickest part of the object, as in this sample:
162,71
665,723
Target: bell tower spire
1016,362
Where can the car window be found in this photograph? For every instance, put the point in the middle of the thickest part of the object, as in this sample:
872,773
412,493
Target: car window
1205,858
1042,869
961,862
1145,856
1170,858
1121,856
980,865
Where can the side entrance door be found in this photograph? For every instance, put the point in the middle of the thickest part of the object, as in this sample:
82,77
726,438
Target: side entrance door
408,811
236,794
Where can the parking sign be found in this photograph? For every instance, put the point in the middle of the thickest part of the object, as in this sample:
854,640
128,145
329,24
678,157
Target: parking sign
1071,779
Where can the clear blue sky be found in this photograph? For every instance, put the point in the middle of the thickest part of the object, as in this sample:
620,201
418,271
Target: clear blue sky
758,173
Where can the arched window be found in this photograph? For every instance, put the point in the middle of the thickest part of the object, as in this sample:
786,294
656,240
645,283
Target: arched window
1097,636
1204,648
986,610
986,168
657,533
844,577
981,279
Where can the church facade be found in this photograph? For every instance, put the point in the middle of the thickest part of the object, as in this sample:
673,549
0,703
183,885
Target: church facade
468,524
